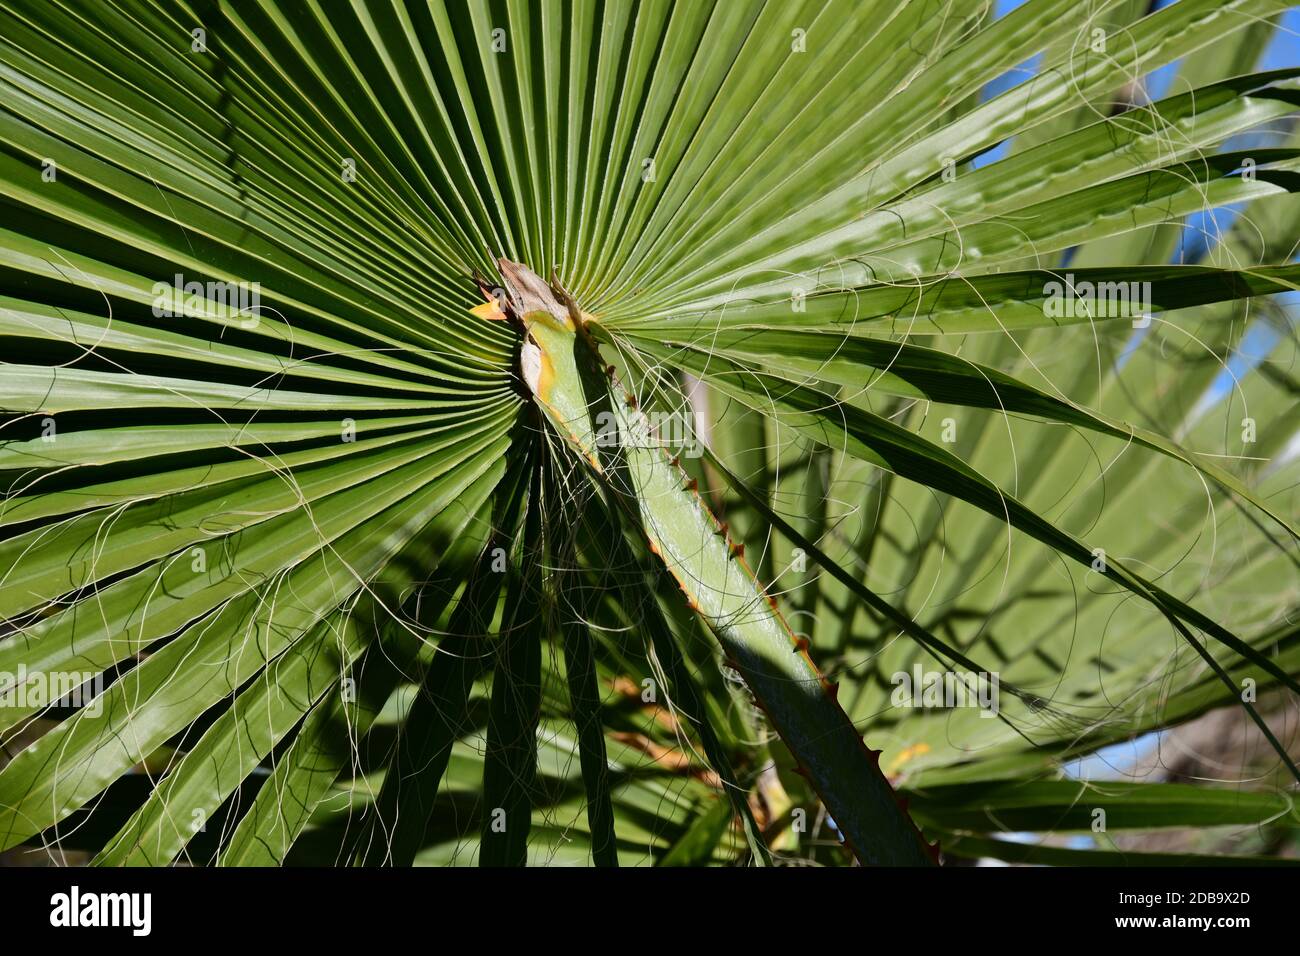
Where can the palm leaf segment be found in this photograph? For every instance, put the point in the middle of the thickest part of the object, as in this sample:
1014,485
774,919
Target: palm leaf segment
282,490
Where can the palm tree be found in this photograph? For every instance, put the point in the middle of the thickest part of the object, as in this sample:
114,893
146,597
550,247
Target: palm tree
559,432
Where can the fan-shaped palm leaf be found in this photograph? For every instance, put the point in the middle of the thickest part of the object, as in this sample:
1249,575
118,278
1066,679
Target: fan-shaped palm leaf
346,342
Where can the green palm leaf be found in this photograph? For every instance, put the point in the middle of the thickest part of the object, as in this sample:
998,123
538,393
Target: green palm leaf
346,344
